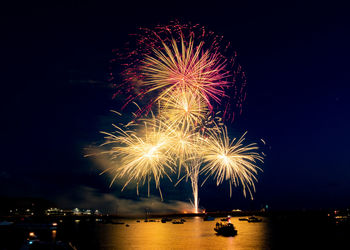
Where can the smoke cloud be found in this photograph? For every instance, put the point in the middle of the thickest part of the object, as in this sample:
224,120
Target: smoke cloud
90,198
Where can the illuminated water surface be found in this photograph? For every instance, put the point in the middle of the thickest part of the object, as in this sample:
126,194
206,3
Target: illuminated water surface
194,233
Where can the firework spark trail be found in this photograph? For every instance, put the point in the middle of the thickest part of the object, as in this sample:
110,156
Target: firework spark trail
231,161
141,157
189,69
194,176
192,165
182,147
178,49
183,109
193,169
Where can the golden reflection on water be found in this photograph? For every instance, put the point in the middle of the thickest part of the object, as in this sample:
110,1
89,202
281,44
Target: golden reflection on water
193,234
53,234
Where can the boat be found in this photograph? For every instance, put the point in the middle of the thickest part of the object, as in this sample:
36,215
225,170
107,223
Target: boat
243,219
39,244
208,218
178,222
33,242
254,219
225,229
27,225
5,223
165,219
227,219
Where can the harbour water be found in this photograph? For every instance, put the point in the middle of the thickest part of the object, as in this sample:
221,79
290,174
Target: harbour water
194,234
278,232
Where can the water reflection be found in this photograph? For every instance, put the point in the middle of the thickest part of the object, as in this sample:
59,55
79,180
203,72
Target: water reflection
53,235
194,233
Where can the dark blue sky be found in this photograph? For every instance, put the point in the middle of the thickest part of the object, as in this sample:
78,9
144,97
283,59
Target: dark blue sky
55,97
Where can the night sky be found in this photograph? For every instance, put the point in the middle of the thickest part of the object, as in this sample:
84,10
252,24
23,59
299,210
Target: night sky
55,98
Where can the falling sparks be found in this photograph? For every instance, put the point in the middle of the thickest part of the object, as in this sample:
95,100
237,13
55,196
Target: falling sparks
183,109
142,155
179,56
188,69
231,160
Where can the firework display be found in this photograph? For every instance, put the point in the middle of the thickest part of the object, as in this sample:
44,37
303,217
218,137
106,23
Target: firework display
186,89
142,154
189,69
230,160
